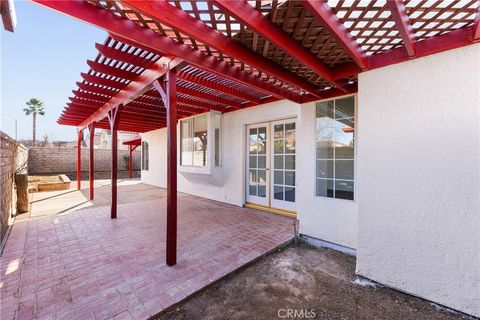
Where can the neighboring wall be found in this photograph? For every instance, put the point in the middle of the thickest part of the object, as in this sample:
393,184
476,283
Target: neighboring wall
419,177
64,160
328,219
12,155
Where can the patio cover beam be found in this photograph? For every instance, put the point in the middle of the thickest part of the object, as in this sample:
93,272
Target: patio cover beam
167,90
180,20
113,118
122,56
329,20
79,158
130,32
476,25
261,24
402,22
91,129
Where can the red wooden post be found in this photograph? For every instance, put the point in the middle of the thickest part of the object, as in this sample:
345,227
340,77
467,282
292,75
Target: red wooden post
91,128
168,92
130,162
113,117
79,158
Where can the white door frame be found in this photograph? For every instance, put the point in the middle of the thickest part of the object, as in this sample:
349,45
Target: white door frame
260,200
268,200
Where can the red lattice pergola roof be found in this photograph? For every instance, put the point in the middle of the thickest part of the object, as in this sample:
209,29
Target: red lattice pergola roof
231,55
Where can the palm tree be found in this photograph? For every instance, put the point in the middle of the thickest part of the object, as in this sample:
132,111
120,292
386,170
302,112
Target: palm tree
34,107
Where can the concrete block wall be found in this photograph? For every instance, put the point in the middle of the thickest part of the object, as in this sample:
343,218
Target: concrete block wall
64,160
8,148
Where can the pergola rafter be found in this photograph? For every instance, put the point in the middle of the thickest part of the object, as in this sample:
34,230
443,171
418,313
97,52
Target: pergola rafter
402,21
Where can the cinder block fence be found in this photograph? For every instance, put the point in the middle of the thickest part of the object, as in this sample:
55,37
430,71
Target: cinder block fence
64,160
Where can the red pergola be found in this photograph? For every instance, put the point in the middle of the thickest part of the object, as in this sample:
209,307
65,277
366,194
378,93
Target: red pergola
132,144
164,60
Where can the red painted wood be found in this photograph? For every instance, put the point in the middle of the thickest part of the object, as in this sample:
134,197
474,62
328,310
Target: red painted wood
451,40
89,96
402,22
180,20
113,119
263,25
329,20
123,56
130,32
91,129
94,89
119,73
168,92
476,25
79,158
103,82
130,162
8,15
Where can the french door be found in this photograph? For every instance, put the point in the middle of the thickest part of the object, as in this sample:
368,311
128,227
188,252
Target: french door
270,164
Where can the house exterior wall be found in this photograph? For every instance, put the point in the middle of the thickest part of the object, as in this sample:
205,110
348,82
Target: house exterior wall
328,219
418,176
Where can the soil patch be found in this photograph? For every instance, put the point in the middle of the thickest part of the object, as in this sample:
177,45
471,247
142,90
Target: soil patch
304,278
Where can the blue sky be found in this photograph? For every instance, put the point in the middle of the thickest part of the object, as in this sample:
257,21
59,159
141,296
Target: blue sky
43,58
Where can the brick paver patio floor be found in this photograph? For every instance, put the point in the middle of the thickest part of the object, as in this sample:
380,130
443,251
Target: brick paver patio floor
83,265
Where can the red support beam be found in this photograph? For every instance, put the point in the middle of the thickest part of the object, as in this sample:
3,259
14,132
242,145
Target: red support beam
129,32
112,71
329,20
263,25
86,103
113,119
122,56
94,89
402,21
90,96
180,20
167,90
79,158
476,25
7,11
130,162
103,82
91,129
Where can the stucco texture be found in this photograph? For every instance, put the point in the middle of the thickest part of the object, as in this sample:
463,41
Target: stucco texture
418,178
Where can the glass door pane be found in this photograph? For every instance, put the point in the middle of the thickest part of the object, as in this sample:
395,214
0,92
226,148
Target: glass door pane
283,164
257,164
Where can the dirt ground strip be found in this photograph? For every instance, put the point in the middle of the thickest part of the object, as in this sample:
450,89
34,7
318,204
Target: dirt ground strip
304,278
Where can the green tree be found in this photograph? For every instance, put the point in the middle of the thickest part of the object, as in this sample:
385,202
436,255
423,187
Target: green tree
34,107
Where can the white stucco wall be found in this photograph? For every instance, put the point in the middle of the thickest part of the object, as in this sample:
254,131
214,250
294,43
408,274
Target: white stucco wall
326,219
418,181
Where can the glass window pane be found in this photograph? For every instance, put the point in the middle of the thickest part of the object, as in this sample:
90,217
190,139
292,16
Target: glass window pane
278,162
344,189
262,162
262,133
252,138
218,137
252,185
278,192
290,178
325,109
344,140
290,162
262,183
278,146
344,169
253,162
278,131
200,125
278,177
344,108
325,139
186,143
325,188
262,147
290,142
290,127
325,169
290,194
